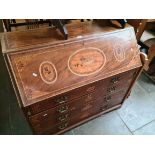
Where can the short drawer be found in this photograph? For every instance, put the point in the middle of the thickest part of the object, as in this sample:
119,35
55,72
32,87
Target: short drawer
121,78
115,99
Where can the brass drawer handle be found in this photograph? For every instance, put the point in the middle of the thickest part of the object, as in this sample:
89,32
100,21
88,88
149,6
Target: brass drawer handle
107,98
88,98
115,79
63,109
111,89
63,126
61,99
63,118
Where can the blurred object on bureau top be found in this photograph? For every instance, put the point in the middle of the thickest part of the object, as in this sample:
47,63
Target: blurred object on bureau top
14,24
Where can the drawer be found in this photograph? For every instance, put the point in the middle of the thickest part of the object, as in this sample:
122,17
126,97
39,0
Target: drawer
101,85
67,110
114,88
67,97
121,78
53,115
85,111
102,103
115,99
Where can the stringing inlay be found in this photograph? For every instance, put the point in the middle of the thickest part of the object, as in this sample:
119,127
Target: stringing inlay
48,72
119,52
86,61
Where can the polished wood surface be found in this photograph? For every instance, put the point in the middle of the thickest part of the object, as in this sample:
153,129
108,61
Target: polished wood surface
105,96
103,86
14,41
83,62
63,83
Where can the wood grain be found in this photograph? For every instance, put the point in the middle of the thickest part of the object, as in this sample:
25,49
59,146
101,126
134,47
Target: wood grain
64,83
36,89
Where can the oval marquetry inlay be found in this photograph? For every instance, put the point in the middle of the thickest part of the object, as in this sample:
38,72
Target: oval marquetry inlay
48,72
86,61
119,52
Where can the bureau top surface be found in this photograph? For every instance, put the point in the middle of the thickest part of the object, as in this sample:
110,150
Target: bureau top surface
58,67
19,40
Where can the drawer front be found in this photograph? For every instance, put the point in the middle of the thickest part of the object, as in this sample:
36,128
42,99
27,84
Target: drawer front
67,97
96,87
67,109
55,115
115,99
84,111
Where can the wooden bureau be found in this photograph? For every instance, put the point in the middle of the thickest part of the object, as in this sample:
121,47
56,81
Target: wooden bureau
61,84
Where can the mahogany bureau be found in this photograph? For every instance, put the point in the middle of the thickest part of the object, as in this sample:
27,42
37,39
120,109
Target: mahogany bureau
61,84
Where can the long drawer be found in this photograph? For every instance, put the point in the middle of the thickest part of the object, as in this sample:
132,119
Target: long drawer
54,123
64,111
101,85
82,113
57,113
